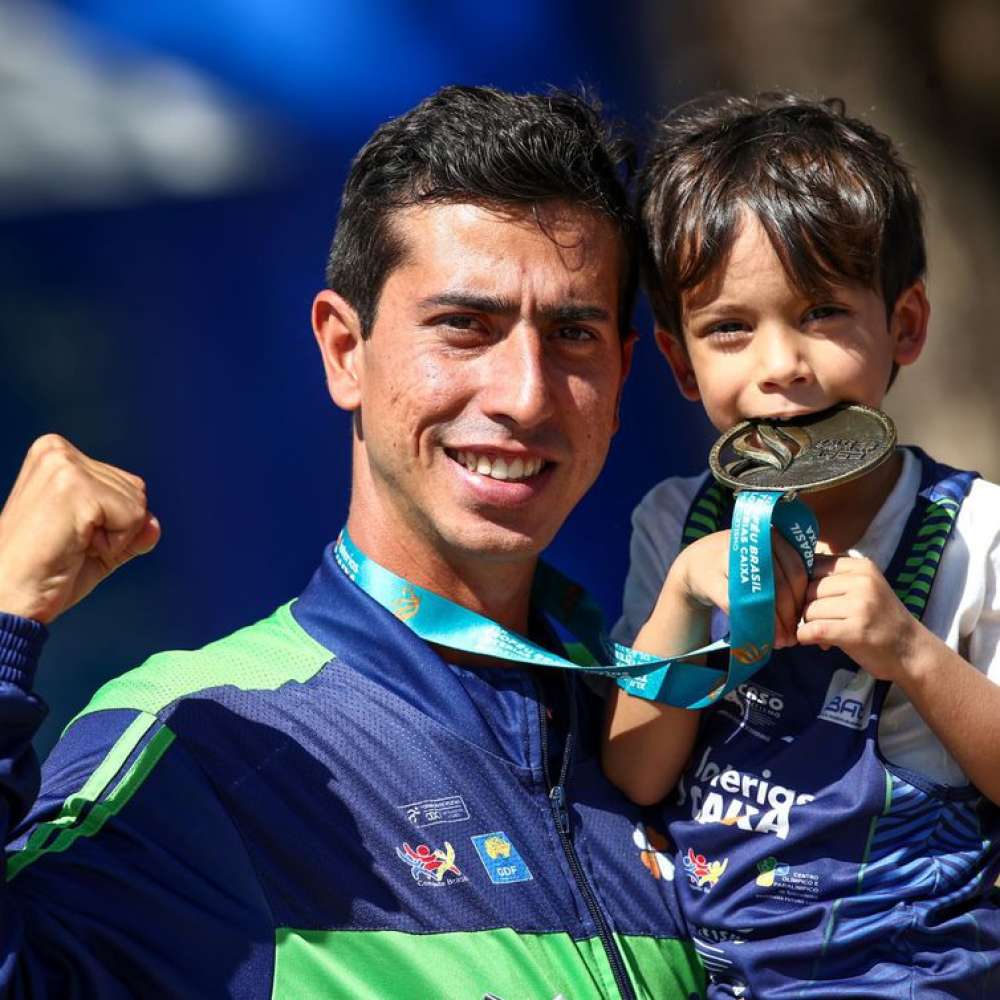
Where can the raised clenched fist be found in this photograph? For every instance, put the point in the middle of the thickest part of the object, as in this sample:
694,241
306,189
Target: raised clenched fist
68,523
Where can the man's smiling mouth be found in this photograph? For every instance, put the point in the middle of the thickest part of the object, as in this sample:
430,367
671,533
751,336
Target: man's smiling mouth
499,467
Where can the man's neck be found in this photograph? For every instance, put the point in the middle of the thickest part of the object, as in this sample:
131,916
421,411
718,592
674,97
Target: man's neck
845,512
497,589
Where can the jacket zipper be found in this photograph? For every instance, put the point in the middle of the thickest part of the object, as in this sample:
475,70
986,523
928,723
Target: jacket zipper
560,812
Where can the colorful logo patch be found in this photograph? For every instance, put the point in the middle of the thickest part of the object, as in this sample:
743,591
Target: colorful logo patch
769,870
791,885
447,809
654,851
432,867
702,873
501,859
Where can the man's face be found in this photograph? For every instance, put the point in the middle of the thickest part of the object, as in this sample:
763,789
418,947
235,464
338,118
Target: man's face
489,386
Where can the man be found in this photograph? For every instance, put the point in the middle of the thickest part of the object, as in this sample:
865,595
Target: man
325,803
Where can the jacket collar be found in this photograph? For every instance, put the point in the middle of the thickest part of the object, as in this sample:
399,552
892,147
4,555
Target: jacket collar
494,708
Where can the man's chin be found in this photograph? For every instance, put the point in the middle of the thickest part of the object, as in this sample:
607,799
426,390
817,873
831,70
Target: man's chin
496,543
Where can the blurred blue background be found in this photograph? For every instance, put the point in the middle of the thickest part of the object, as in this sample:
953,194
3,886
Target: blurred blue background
169,182
156,287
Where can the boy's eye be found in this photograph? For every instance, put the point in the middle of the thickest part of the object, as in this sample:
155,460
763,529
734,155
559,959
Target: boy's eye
727,333
823,312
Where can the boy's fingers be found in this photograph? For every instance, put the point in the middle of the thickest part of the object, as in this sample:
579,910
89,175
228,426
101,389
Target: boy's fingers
816,633
828,565
791,581
792,566
785,609
827,586
827,609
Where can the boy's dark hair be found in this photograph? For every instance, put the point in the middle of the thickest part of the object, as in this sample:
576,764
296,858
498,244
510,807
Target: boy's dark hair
486,147
835,199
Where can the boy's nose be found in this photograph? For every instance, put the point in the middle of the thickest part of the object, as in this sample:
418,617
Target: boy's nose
782,362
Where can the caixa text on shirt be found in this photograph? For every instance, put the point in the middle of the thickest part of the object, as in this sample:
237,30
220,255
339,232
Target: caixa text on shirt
721,794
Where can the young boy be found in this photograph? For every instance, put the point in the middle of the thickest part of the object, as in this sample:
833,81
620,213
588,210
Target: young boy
835,819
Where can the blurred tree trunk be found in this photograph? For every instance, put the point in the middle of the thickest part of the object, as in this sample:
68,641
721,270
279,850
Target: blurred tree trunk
928,74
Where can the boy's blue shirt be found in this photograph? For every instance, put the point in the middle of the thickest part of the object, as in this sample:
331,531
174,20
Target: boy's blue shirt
809,866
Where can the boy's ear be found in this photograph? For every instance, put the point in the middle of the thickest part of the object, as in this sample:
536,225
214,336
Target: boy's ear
673,349
908,324
337,329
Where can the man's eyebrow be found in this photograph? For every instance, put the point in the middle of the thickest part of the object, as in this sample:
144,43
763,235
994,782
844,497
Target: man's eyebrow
471,301
575,314
564,313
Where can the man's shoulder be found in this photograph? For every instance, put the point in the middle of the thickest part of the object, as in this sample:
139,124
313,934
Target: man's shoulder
259,657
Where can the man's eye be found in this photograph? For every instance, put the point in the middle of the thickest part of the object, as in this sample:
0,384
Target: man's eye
460,321
575,333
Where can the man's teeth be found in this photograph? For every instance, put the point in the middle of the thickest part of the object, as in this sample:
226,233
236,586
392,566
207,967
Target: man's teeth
499,467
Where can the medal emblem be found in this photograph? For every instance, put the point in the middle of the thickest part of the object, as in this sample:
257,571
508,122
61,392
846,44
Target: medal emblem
804,454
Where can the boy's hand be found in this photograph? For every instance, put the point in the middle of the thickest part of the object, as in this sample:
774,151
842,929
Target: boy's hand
849,604
68,522
703,569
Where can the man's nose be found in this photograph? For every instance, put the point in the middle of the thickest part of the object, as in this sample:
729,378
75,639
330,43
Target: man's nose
517,379
782,360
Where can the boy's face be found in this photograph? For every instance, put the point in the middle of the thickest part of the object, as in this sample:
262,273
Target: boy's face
753,346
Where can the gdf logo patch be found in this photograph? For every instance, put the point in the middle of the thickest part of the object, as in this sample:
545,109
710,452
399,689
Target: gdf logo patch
501,859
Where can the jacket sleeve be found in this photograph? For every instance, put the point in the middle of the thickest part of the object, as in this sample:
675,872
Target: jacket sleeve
123,874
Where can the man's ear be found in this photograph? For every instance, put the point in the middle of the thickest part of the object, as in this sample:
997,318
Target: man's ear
338,333
673,349
908,324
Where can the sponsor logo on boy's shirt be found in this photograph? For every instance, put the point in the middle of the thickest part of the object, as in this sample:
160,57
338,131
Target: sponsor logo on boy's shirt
702,873
752,802
848,700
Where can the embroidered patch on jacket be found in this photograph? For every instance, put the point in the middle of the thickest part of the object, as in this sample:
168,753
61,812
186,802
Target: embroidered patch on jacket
702,873
447,809
432,866
848,700
501,859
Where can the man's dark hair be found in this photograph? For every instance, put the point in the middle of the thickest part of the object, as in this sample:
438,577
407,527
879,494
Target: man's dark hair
835,199
485,147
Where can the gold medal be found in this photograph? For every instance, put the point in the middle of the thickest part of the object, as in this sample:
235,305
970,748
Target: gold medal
804,454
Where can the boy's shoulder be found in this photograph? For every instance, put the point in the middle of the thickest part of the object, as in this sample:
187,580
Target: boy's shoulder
982,506
669,500
978,526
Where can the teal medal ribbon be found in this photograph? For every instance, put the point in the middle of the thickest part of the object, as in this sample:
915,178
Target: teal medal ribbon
674,681
751,596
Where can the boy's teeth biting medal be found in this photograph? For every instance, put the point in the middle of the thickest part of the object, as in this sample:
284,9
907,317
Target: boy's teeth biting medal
804,454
